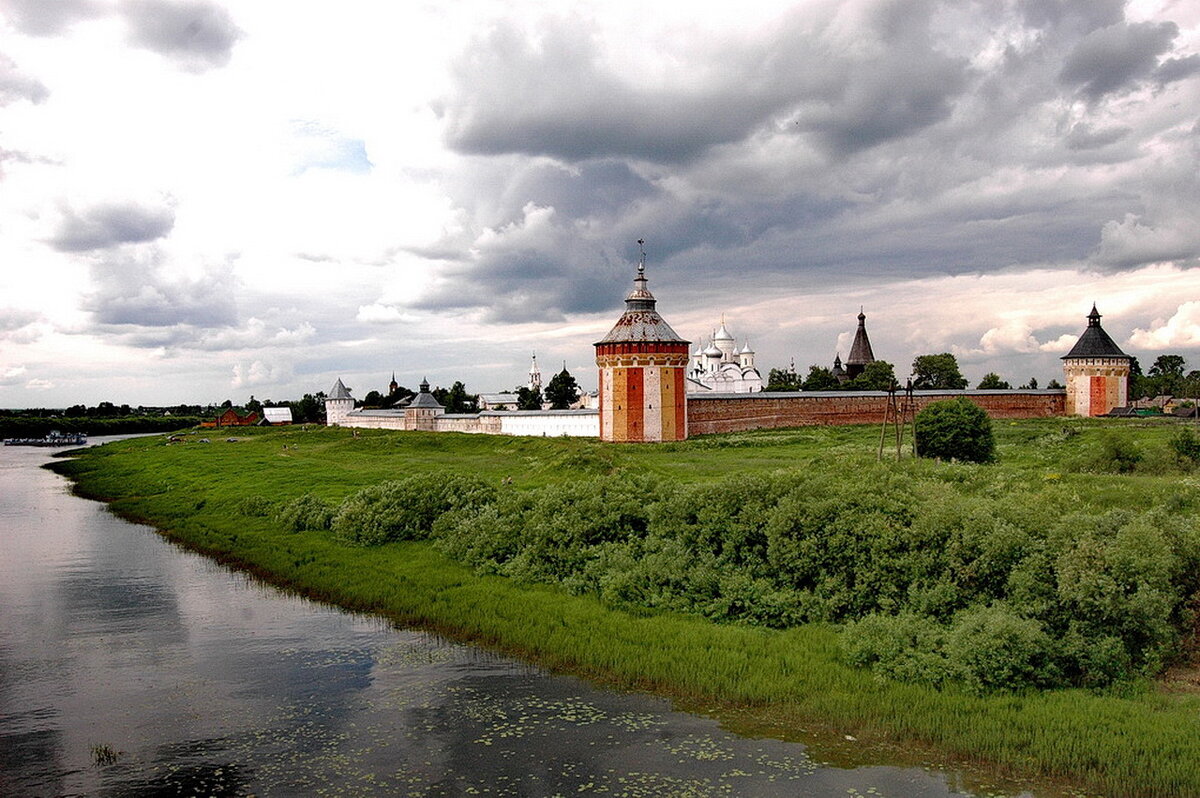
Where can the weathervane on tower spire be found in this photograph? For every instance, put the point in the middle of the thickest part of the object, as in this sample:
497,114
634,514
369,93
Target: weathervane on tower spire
642,262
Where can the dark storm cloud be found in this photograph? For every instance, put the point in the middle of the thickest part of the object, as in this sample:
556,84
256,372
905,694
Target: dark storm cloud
1116,57
108,225
1084,137
1174,69
133,289
556,98
1076,17
48,17
198,35
887,101
16,85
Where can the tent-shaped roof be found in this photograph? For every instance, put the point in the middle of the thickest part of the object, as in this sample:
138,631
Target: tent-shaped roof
1095,342
860,350
640,323
425,398
339,391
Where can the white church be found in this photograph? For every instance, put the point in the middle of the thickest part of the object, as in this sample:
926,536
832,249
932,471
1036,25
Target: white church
721,367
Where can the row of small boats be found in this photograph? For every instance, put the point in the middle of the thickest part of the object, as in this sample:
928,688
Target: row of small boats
55,438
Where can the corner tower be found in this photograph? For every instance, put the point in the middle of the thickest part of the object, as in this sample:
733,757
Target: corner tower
643,364
1097,372
338,404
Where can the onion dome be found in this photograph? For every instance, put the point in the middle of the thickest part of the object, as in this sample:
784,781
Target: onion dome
713,351
640,323
1095,342
747,350
722,334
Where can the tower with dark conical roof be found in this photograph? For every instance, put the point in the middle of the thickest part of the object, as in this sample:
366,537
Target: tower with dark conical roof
338,402
1096,371
643,365
860,350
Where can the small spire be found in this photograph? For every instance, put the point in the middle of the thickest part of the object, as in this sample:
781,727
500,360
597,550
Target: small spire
642,262
424,385
862,317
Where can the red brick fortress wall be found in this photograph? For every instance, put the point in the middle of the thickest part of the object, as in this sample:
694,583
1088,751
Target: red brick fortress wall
711,413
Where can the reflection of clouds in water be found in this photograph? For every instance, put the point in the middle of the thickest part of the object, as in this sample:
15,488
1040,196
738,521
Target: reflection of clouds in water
208,682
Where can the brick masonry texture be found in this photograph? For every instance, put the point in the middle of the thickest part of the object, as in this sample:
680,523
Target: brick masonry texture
739,412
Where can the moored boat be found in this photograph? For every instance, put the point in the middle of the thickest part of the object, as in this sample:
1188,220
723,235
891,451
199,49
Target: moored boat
55,438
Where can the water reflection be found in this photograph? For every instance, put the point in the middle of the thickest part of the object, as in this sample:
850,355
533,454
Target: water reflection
200,682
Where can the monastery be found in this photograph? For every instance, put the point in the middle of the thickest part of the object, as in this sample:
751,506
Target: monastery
654,388
722,367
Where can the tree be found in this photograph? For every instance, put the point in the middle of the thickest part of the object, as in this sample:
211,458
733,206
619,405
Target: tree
937,372
310,409
783,380
955,429
253,405
400,394
529,398
457,400
878,375
372,399
992,382
1054,385
1166,375
562,391
1031,385
819,379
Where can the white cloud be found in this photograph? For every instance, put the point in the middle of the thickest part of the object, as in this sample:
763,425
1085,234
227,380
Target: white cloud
289,213
1181,330
246,375
39,385
377,313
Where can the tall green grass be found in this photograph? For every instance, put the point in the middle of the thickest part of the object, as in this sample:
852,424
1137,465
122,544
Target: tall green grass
1143,742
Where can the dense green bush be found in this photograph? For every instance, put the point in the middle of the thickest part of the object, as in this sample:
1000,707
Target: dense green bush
955,429
1115,453
257,506
406,509
994,647
306,512
932,580
1186,446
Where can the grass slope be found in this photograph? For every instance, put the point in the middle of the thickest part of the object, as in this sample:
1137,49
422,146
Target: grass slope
1145,742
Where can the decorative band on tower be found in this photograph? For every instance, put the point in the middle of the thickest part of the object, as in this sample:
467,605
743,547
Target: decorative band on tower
1097,372
643,366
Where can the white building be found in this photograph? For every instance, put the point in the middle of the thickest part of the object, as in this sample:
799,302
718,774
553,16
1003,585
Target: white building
721,367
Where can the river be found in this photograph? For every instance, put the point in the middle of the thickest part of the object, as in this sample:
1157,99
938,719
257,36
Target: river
130,667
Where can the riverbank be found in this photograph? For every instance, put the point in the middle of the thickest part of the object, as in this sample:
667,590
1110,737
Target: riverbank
1137,741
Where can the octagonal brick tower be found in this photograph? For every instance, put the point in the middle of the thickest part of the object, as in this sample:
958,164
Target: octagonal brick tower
1097,372
643,365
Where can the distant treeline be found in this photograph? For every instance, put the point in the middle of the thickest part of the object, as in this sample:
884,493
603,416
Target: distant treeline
23,426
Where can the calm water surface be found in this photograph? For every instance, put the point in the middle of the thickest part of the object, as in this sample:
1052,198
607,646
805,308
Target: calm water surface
205,682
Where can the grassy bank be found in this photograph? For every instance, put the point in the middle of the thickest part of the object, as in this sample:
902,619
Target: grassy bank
1138,740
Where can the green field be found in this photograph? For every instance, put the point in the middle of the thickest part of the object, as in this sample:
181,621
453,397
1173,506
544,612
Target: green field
1133,736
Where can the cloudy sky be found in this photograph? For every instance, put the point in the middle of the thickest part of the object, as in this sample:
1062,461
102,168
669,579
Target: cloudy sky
203,200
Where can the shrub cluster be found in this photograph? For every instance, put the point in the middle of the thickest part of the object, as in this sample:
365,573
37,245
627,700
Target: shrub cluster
955,429
998,591
406,509
308,511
